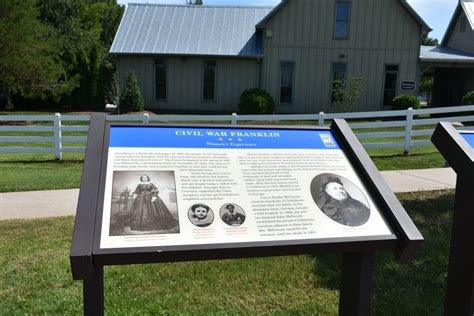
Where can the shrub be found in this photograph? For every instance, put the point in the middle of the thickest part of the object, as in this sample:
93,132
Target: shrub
403,102
131,98
346,92
468,98
256,101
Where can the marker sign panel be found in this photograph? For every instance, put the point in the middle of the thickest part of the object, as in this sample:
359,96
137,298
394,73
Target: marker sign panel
172,186
408,85
469,137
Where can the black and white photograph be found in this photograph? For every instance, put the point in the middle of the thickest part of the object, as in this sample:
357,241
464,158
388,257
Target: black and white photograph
200,215
340,199
143,203
232,214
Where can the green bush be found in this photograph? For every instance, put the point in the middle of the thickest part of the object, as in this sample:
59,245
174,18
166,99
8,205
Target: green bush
346,92
256,101
131,97
468,98
403,102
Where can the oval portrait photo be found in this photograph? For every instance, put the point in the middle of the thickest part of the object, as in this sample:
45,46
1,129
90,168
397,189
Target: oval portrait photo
340,199
232,214
200,215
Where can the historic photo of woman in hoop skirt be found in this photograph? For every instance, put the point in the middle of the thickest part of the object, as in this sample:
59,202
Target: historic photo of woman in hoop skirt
149,209
148,212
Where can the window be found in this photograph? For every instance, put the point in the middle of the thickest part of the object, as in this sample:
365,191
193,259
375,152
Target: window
390,84
342,19
463,25
339,71
287,69
209,81
160,80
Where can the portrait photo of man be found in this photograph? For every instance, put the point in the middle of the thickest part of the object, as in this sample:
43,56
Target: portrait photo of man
340,200
232,214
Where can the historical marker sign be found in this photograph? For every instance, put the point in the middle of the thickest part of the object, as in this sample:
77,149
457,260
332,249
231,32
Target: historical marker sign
469,137
457,148
161,193
257,185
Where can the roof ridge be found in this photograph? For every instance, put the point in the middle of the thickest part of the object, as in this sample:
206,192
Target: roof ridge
201,6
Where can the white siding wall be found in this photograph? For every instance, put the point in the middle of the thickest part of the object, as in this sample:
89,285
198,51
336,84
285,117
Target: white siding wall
185,82
462,41
381,32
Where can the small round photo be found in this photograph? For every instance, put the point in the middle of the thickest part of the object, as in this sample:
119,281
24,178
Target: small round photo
232,214
340,199
200,215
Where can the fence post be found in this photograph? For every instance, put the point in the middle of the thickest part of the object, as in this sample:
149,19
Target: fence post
408,131
57,136
235,118
146,118
321,117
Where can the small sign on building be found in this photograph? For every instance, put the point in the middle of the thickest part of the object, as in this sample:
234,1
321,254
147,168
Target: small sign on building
408,86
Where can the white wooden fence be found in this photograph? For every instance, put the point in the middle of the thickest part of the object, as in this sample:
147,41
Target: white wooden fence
394,129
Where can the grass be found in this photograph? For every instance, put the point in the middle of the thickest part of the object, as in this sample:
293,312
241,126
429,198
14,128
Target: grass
420,158
36,278
30,172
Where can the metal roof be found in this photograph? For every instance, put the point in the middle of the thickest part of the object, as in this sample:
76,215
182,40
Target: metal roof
468,6
189,30
436,54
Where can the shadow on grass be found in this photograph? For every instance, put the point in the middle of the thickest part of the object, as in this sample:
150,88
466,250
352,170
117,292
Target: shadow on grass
417,287
51,161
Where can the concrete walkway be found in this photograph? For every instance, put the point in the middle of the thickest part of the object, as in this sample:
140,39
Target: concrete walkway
53,203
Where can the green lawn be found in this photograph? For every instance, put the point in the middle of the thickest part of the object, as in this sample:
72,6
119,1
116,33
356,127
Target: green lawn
30,172
36,279
420,158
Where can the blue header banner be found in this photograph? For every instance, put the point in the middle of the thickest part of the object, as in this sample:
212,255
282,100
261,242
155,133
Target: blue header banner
469,137
229,138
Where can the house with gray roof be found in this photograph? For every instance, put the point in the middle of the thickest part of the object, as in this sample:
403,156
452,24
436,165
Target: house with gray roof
452,63
201,58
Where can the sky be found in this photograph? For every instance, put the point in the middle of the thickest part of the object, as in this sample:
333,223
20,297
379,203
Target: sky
437,13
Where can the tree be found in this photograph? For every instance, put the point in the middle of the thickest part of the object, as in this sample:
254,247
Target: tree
428,41
29,61
85,29
131,97
346,92
426,89
194,2
112,93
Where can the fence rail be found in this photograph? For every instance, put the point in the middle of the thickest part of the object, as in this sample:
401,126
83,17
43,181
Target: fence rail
382,129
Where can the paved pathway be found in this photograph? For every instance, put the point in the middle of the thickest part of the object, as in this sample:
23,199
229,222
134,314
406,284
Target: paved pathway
63,202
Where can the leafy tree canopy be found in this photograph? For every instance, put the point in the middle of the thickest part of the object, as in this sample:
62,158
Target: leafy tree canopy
428,41
57,50
194,2
29,60
86,29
